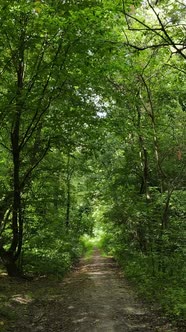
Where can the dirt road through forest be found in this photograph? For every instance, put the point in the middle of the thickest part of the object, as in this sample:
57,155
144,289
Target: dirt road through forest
95,297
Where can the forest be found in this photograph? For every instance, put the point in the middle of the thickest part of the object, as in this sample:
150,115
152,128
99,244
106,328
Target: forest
93,139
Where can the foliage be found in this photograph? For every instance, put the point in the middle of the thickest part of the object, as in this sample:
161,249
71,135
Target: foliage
92,135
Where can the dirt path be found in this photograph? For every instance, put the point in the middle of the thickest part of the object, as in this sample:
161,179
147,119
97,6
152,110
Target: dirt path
93,298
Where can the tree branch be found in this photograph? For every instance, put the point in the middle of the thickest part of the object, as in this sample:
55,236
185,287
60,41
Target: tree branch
27,175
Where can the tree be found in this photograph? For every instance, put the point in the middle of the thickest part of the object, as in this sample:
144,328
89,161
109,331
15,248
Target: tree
42,75
162,24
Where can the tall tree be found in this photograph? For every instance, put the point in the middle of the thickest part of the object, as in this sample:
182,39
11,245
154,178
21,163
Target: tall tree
42,74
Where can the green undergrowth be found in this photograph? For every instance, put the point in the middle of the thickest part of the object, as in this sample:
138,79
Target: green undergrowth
159,282
47,263
159,287
156,286
54,260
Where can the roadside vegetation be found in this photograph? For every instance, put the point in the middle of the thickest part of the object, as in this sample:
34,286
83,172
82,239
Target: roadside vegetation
93,137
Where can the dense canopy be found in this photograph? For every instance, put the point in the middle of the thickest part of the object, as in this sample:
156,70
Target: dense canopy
93,136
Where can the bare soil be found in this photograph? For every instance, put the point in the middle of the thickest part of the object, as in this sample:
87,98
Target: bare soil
94,297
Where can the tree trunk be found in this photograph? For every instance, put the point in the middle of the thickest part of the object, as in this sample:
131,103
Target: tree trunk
68,200
10,263
149,108
144,160
11,256
165,216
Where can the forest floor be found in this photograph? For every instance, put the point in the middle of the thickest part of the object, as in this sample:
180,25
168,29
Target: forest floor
93,297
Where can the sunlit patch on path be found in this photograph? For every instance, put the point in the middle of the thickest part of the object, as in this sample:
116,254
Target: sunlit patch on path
95,297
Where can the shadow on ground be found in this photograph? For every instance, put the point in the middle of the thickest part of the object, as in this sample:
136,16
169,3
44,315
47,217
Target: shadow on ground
95,297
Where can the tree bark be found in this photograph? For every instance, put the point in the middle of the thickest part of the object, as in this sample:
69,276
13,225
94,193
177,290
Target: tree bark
68,200
144,160
10,256
10,263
